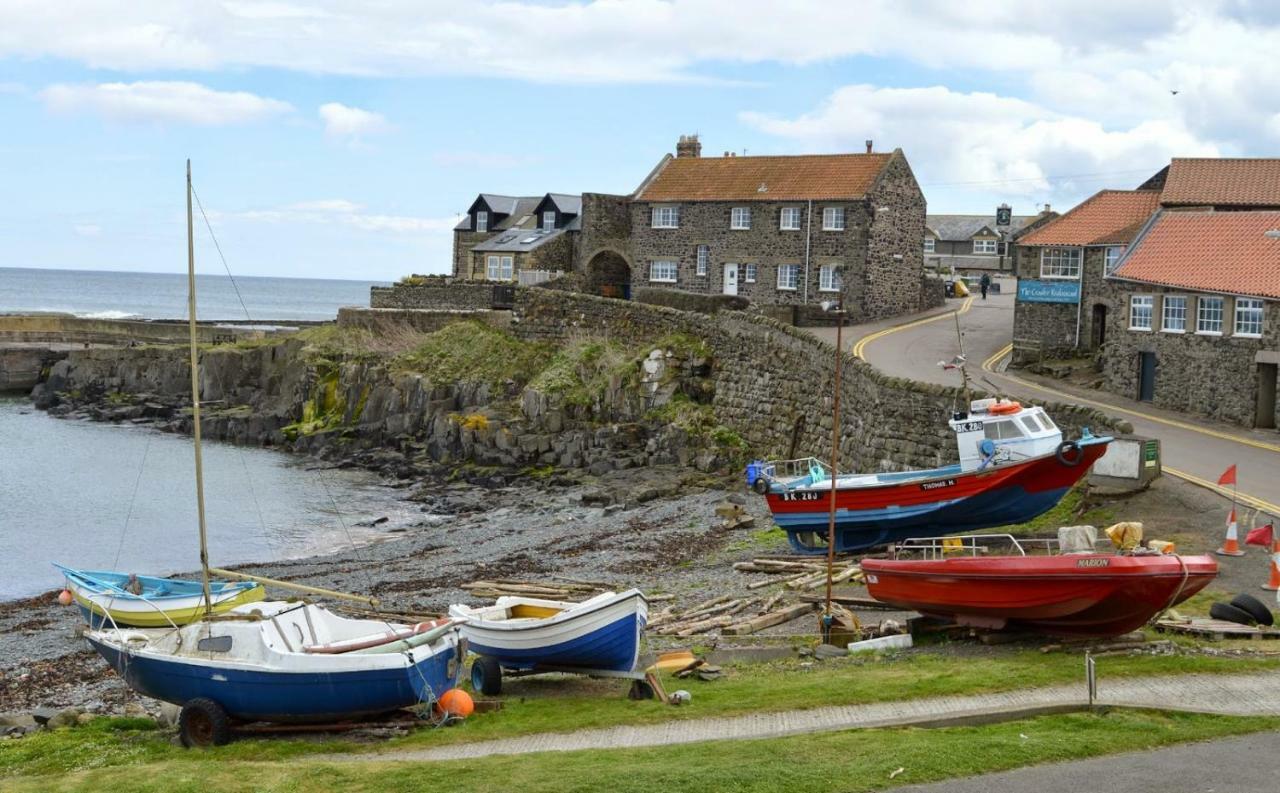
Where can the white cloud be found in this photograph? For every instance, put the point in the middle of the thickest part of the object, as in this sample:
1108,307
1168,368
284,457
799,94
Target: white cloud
351,123
348,213
87,229
156,101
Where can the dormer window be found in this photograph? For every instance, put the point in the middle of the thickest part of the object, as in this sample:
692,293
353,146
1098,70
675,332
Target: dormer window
549,220
482,220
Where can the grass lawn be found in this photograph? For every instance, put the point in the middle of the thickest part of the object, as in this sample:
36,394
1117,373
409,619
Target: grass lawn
550,704
848,761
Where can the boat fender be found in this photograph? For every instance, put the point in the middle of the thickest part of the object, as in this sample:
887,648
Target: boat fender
1069,453
761,485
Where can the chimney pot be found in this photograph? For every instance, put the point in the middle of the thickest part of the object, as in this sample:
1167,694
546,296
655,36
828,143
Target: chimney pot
869,142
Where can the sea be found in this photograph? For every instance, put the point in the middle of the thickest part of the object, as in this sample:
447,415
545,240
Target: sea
122,497
123,295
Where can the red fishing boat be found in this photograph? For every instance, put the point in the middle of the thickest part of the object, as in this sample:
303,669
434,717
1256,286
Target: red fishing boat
1080,593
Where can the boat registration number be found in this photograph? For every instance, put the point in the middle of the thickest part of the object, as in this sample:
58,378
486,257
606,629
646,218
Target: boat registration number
937,484
1104,562
969,426
802,496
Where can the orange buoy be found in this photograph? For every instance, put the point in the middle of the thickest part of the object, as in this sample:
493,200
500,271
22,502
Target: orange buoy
1001,408
457,703
64,597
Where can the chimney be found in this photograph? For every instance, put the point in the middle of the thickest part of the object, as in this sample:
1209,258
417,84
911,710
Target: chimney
869,145
689,146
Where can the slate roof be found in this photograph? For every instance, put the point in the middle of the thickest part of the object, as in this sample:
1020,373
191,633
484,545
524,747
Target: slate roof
1107,217
1218,181
963,227
514,207
518,240
773,178
1208,251
566,203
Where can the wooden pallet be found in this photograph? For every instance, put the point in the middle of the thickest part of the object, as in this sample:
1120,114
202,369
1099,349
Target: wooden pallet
1217,630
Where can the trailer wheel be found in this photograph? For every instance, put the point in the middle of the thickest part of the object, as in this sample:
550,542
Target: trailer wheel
1225,611
1069,453
1254,608
486,676
761,485
203,722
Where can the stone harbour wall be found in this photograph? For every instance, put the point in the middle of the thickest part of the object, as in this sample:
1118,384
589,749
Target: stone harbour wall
440,294
391,320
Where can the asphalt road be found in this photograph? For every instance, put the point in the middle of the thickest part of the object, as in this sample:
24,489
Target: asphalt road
1196,448
1232,765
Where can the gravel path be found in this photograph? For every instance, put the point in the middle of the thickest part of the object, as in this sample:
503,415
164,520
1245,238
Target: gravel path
1241,695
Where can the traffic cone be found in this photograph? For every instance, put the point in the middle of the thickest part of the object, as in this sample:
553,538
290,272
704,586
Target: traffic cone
1232,545
1273,583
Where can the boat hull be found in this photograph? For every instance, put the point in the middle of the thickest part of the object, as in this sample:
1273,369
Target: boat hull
164,602
939,502
1070,595
602,637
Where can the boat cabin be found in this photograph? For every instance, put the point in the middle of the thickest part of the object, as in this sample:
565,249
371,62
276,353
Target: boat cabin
995,431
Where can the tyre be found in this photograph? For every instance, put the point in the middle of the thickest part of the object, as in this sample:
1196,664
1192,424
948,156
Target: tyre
203,722
1230,613
1254,608
761,485
1069,453
486,676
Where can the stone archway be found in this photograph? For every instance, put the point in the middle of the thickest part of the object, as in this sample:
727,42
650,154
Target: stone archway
609,274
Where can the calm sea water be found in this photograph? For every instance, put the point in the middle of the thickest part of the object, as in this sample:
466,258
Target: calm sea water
116,295
67,494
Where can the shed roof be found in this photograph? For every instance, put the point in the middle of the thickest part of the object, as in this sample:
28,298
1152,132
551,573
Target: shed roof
773,178
1106,217
518,240
1222,181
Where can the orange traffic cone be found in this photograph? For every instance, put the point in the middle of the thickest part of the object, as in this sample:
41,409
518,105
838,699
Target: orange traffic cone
1273,583
1232,545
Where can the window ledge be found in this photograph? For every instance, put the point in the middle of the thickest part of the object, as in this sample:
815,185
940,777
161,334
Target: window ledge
824,228
1044,277
1171,330
1247,335
826,289
787,289
1140,330
1208,333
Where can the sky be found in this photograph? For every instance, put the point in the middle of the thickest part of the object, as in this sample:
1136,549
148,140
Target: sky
342,139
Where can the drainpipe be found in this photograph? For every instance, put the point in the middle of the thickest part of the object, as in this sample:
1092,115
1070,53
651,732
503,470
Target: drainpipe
1080,297
808,231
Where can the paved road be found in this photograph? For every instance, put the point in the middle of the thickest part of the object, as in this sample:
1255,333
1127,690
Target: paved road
1232,765
1196,448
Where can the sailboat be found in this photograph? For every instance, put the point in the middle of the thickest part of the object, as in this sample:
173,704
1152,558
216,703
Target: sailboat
108,598
275,661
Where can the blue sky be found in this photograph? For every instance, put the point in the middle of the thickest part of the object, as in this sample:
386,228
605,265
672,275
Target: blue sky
334,140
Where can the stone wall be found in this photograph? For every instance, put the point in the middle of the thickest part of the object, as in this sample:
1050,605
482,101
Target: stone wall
389,320
1054,324
606,226
1214,376
772,382
933,292
895,247
463,242
690,301
439,294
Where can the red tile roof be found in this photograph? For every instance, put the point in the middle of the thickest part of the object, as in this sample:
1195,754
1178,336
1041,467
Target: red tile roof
1222,182
1209,251
1109,216
793,178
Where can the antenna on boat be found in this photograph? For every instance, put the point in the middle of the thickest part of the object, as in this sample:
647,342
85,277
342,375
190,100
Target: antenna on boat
195,399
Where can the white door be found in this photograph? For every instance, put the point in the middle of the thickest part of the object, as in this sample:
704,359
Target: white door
731,279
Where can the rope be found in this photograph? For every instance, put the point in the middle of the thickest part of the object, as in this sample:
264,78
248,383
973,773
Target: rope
218,248
1181,585
132,499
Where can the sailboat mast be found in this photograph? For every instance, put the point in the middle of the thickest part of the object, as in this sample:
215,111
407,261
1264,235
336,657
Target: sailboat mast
195,398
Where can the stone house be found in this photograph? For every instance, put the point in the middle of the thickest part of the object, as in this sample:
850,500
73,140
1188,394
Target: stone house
961,243
791,231
501,236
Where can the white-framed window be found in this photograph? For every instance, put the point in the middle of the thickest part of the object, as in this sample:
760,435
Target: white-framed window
549,219
1060,263
833,218
1248,317
1113,254
1140,307
499,268
929,244
482,220
1174,314
704,256
666,217
663,271
789,277
829,279
985,247
1209,312
749,272
789,219
740,218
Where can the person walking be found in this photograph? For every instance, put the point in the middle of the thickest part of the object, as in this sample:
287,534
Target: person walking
985,283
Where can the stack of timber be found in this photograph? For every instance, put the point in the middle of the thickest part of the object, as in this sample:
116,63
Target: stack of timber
799,575
566,589
726,614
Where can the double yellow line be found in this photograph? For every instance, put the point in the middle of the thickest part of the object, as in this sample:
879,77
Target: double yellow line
865,340
1243,498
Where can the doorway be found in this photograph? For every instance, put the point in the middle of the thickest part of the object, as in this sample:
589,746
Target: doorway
1266,413
1146,376
1099,325
731,279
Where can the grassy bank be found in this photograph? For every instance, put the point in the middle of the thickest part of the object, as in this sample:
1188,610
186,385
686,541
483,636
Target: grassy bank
536,705
849,761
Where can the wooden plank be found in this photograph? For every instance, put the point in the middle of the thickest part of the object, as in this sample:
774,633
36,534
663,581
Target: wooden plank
851,601
769,620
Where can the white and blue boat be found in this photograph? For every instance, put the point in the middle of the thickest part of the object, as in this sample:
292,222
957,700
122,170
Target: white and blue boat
104,598
523,634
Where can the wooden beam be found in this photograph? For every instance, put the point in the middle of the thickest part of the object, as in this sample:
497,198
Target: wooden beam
769,620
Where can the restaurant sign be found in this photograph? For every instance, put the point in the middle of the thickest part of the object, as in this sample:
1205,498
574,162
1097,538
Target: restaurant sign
1030,291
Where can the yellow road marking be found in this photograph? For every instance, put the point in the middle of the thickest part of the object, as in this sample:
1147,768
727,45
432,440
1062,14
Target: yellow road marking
880,334
989,364
1243,498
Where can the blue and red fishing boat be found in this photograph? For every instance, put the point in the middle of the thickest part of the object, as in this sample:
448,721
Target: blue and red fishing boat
1014,465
